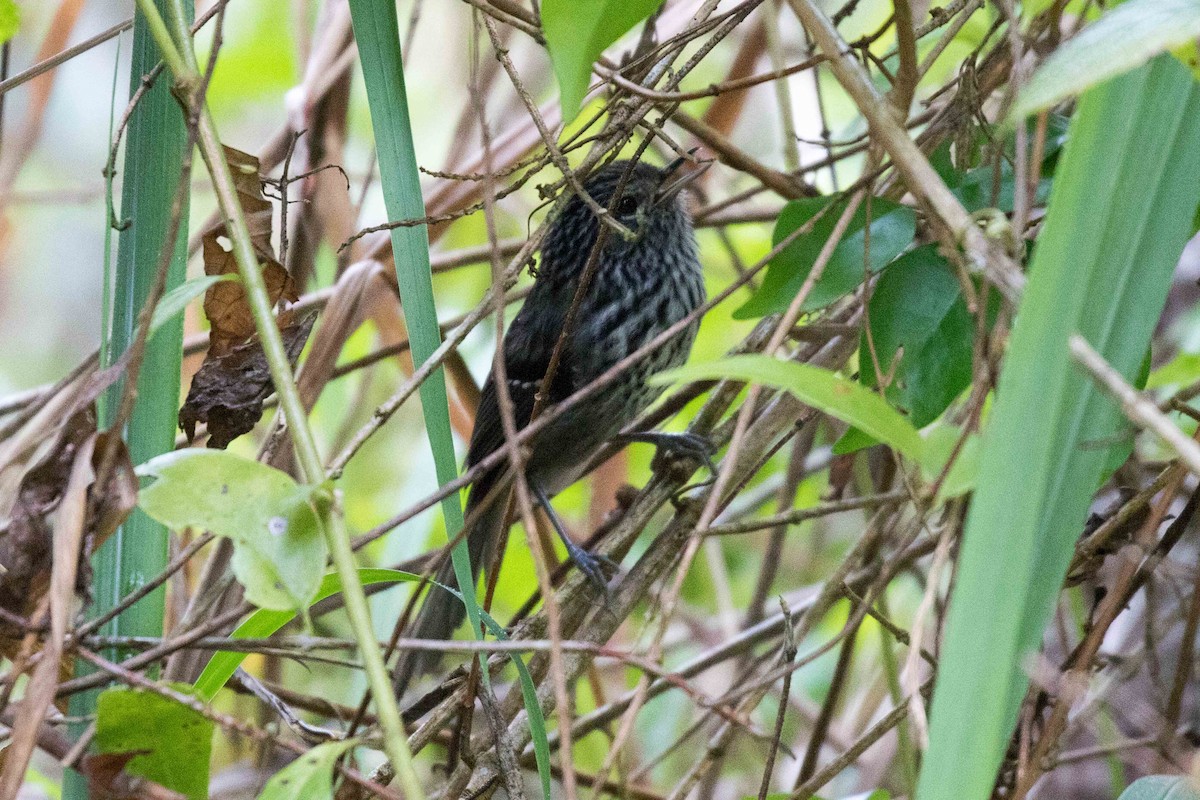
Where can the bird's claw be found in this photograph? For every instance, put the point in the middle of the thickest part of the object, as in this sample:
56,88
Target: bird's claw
595,567
680,445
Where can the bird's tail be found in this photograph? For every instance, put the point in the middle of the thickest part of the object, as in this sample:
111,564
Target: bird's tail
442,612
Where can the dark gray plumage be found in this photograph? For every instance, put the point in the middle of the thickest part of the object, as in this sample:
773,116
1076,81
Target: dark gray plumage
641,287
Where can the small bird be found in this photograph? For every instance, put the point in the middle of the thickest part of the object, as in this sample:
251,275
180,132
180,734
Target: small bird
641,286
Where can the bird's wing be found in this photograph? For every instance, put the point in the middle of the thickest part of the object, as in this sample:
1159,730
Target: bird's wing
528,347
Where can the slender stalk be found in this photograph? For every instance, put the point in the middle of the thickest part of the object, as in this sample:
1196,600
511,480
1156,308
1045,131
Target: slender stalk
181,62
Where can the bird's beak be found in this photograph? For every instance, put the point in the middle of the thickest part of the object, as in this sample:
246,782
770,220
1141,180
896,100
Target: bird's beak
673,184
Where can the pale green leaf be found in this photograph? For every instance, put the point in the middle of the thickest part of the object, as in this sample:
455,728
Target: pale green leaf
1162,787
175,301
309,777
1125,37
824,390
279,553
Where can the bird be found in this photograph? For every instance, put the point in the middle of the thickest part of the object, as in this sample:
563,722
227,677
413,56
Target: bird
641,285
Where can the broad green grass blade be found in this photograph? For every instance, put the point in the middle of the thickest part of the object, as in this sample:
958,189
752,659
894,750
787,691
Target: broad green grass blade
154,149
1119,215
378,36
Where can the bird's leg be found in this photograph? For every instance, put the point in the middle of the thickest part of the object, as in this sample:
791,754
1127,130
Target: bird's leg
687,445
589,564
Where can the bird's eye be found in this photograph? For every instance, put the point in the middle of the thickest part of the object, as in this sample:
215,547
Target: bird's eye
627,206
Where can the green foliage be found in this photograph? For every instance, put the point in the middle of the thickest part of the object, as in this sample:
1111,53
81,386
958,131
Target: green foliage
175,301
176,739
1125,37
577,32
309,777
823,390
891,231
917,310
1162,787
279,553
264,622
1118,217
10,19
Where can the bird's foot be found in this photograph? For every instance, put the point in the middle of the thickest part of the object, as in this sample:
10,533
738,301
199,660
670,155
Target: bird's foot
597,568
691,446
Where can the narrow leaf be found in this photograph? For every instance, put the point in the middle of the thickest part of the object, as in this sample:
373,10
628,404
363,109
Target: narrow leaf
175,301
1126,37
823,390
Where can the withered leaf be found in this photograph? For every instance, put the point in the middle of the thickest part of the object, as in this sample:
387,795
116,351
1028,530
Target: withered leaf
225,304
228,391
26,548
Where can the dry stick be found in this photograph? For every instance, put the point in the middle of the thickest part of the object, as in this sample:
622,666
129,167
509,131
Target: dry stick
909,675
820,729
39,694
1140,409
837,765
514,450
754,693
1130,578
789,654
1183,667
960,230
905,86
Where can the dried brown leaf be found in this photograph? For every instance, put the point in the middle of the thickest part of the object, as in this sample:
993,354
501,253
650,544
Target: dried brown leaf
228,391
225,304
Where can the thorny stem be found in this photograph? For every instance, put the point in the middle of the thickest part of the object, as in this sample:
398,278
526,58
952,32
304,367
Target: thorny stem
180,59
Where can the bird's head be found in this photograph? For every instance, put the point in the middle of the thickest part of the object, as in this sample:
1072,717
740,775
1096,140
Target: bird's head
645,199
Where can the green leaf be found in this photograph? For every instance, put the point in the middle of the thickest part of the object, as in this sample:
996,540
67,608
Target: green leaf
824,390
1126,37
892,228
10,20
1118,218
309,777
178,740
975,189
1161,787
279,553
577,32
175,301
917,310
